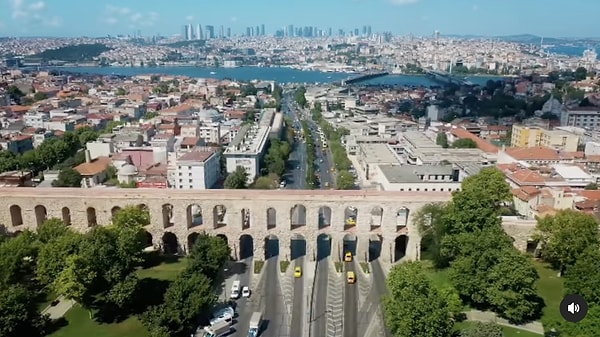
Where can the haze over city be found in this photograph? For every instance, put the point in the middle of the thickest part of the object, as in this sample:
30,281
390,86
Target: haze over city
64,18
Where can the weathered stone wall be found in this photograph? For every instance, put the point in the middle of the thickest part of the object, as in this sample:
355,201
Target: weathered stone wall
26,208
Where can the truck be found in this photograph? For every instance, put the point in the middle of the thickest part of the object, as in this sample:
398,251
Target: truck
255,324
216,330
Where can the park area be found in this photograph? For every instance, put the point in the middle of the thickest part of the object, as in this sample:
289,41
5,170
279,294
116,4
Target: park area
77,321
549,288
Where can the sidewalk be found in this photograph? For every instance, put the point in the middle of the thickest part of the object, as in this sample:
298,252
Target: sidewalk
487,316
60,309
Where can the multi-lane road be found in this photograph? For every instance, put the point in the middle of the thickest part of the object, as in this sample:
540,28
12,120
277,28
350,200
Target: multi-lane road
311,314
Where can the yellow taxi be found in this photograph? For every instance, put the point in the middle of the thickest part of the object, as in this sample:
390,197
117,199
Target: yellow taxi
348,257
350,277
298,272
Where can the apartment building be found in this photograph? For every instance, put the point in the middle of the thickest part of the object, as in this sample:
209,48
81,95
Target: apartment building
530,137
198,169
247,150
581,117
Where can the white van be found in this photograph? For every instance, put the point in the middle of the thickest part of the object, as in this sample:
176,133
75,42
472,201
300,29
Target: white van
235,290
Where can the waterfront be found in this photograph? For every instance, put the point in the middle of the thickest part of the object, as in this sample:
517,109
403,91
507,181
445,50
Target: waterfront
278,74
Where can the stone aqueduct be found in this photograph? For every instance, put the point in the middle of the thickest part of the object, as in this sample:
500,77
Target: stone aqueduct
250,220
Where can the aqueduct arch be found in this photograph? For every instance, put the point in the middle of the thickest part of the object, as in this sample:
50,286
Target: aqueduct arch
271,214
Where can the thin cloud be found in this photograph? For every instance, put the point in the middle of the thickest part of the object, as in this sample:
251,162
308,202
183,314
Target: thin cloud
402,2
33,13
114,15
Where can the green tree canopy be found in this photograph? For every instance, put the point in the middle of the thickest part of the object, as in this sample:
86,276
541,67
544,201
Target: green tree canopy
481,329
583,277
564,236
237,180
414,306
208,255
19,314
464,143
345,180
442,140
68,177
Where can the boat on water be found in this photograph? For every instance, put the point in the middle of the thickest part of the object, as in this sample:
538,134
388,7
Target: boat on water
212,73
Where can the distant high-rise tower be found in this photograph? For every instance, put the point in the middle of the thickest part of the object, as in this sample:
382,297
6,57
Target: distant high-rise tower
190,33
210,32
369,31
199,32
436,35
262,30
228,31
290,31
221,32
184,32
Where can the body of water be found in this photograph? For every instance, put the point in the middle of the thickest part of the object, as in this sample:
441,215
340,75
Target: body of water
280,75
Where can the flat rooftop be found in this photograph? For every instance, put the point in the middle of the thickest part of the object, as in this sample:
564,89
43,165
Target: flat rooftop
249,140
433,155
378,154
410,174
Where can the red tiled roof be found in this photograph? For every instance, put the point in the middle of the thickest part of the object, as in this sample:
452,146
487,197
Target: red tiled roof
481,144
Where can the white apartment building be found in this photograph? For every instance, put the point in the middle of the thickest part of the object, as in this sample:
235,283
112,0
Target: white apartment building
247,150
198,169
581,117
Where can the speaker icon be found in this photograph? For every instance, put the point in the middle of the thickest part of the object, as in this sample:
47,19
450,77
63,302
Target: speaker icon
573,308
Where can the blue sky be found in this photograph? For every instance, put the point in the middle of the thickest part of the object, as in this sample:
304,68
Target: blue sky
420,17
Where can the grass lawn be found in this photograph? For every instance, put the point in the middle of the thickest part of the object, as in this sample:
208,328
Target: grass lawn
79,322
508,331
550,288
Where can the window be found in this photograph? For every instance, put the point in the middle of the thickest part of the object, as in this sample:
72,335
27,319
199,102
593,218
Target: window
190,181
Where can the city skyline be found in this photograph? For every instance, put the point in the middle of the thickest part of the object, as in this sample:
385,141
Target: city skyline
419,17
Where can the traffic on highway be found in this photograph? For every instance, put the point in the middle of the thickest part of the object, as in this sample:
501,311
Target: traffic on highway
295,295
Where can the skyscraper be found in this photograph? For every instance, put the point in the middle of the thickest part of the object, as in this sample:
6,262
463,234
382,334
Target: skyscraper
190,33
262,30
221,32
210,32
228,31
199,32
290,31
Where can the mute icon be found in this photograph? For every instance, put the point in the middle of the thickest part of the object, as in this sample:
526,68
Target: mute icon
573,308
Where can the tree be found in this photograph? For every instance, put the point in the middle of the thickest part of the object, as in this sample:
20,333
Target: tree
265,183
102,274
237,180
428,220
580,74
68,177
564,236
17,259
464,143
414,307
39,96
591,186
51,230
121,92
52,258
442,140
19,314
188,297
345,180
208,256
583,277
481,329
